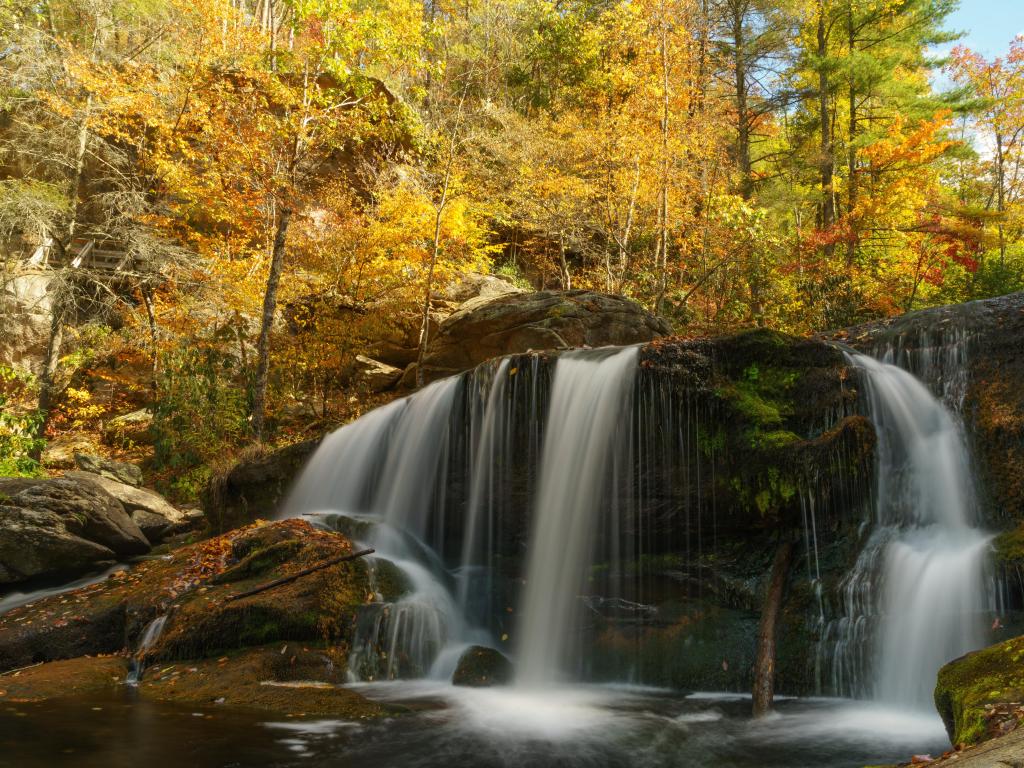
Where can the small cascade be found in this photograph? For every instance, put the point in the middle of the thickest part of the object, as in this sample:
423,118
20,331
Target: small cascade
917,595
150,635
591,398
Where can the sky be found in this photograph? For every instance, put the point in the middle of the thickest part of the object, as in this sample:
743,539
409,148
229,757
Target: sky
990,24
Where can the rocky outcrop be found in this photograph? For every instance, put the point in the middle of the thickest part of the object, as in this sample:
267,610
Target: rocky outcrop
255,486
375,375
135,427
24,317
121,471
485,328
475,285
148,510
61,525
60,452
252,651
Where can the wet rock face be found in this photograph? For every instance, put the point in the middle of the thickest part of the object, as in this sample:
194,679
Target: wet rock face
282,650
491,327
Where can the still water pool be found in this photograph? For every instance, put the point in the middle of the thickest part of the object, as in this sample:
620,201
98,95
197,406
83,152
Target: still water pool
445,726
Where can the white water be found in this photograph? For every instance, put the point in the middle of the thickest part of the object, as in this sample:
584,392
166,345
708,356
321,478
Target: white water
150,635
386,471
591,396
933,558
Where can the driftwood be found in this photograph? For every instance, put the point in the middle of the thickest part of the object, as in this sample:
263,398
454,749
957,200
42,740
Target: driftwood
764,672
299,575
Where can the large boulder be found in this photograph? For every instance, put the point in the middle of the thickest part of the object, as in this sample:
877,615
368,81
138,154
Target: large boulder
375,375
60,452
475,285
981,695
61,525
121,471
150,511
135,427
484,328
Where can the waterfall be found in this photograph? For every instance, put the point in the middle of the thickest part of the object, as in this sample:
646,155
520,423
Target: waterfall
150,635
591,396
923,568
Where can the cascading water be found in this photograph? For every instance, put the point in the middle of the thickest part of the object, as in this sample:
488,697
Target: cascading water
591,398
380,474
150,635
916,596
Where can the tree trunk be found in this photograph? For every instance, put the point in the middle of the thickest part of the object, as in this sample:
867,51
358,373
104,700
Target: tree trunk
764,670
663,202
827,162
62,300
1000,197
147,299
851,153
259,395
746,186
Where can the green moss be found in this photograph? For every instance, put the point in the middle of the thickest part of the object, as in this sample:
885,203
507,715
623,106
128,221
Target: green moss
1009,546
261,561
970,684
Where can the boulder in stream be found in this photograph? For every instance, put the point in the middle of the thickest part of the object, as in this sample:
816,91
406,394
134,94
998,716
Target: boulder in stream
480,667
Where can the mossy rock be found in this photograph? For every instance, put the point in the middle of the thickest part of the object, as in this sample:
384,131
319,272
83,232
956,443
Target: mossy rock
261,561
1009,546
979,695
480,666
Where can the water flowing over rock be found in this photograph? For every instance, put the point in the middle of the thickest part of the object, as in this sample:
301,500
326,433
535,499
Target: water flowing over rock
591,398
919,582
678,490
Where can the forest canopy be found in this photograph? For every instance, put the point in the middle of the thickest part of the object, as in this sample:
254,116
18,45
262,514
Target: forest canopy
289,181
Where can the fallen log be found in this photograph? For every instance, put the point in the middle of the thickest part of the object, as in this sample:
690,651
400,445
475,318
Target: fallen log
299,575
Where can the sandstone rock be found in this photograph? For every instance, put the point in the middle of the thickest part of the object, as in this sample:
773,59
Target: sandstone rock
474,285
484,328
377,376
133,427
121,471
60,452
480,666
